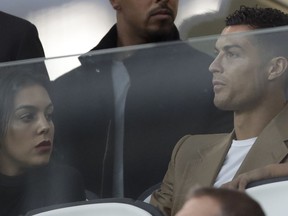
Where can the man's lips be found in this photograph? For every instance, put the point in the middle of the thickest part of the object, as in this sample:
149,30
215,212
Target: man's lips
217,84
161,11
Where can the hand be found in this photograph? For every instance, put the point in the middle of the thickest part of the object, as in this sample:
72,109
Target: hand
269,171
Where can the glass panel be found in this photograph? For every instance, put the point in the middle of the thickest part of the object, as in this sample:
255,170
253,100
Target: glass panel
117,116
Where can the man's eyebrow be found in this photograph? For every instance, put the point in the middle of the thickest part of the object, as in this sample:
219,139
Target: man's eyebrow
227,47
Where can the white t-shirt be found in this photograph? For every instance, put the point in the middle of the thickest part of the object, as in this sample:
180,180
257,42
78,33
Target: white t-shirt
233,160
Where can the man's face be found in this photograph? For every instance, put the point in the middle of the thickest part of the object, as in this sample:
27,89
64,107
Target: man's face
147,17
239,77
200,206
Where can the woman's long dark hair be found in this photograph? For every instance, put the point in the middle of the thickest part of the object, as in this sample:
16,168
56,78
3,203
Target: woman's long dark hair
13,79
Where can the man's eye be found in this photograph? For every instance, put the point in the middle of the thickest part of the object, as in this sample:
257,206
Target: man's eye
231,55
215,53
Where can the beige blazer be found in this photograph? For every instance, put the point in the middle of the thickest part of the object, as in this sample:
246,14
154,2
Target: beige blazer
197,160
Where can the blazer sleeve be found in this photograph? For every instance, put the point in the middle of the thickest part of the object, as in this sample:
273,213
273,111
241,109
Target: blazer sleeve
163,197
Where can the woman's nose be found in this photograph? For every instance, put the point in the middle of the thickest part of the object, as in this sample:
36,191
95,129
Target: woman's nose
43,125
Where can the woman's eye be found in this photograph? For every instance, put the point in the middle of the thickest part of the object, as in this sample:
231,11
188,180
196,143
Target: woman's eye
49,116
27,117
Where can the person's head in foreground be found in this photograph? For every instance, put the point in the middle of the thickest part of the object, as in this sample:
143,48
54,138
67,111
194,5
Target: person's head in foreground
219,202
26,127
249,70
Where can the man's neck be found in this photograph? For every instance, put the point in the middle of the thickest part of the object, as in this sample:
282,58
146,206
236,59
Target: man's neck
128,38
251,123
129,41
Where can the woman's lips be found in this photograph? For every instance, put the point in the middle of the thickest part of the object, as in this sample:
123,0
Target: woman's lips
44,146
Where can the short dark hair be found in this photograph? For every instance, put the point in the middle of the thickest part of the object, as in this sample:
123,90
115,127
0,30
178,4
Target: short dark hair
272,43
232,202
12,80
263,18
257,17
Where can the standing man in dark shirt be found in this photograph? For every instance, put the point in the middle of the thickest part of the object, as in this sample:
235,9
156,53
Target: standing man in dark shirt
118,114
18,39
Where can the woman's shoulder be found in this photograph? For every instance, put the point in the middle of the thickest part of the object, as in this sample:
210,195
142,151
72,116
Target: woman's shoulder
59,179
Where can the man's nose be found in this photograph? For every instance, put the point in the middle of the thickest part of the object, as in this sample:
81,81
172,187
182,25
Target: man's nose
215,66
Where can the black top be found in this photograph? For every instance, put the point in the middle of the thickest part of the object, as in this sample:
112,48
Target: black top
38,188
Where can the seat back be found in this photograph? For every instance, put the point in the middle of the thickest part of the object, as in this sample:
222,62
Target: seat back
101,207
146,195
271,194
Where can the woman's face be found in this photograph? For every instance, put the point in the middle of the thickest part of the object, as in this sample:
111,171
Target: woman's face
29,138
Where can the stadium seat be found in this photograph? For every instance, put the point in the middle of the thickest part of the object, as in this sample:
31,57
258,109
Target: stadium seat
100,207
271,194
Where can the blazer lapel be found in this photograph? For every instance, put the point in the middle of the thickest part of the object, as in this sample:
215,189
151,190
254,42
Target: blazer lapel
270,146
212,159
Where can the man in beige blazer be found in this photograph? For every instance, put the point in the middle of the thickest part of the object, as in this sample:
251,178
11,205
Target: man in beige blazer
249,78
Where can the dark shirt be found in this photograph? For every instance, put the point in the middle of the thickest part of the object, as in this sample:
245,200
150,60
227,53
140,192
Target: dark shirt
18,39
170,95
40,187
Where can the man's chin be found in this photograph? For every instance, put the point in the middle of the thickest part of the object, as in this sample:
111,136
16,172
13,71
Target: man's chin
161,33
222,105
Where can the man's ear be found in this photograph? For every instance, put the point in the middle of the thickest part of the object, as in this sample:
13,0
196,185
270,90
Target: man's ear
115,4
277,67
